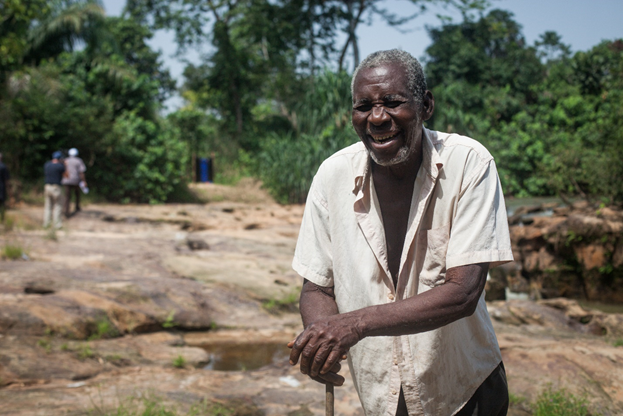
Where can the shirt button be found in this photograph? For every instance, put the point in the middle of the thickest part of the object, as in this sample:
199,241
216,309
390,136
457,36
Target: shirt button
390,296
394,392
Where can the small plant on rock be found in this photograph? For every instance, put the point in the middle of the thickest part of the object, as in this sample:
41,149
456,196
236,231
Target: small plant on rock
169,322
85,351
45,344
286,304
104,329
179,362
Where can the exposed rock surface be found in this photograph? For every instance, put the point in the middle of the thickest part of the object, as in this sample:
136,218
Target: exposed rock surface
121,305
576,253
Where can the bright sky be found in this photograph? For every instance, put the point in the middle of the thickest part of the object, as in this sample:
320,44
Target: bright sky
581,23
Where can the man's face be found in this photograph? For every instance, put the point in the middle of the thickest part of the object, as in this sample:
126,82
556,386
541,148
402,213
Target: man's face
385,114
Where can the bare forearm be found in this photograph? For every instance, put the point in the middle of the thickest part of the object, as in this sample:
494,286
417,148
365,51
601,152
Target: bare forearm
316,303
454,300
329,335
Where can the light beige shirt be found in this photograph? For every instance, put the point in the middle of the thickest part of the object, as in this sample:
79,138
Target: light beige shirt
457,217
74,167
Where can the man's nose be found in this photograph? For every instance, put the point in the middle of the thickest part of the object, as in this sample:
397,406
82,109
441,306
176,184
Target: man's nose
378,115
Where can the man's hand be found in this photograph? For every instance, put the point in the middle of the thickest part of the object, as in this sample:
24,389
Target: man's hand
331,377
323,344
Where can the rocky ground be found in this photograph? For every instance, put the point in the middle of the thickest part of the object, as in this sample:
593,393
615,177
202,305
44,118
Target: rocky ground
129,304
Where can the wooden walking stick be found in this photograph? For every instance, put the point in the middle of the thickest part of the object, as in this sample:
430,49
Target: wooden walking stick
330,399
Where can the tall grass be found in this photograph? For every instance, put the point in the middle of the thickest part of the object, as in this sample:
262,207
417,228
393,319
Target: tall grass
12,251
321,126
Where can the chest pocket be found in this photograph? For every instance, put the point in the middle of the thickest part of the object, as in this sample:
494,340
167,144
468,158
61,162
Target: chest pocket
432,247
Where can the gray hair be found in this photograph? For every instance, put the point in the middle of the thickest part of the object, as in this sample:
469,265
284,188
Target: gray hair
416,81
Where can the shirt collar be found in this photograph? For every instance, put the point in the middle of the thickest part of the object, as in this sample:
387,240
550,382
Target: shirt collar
431,161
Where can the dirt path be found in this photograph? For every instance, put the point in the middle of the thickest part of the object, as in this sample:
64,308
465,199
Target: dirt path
132,301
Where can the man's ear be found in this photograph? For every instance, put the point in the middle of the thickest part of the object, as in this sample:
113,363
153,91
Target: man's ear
428,105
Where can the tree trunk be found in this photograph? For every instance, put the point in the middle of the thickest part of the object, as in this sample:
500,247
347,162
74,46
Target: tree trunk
355,51
238,109
352,35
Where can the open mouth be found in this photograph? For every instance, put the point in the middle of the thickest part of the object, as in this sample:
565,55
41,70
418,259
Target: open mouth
384,138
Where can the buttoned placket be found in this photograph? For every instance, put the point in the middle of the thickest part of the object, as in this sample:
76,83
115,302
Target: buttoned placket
367,212
427,180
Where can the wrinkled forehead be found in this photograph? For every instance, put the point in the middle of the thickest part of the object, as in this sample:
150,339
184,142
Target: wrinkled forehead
391,75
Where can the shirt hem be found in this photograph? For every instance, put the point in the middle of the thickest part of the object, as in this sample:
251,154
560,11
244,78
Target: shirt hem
493,257
314,277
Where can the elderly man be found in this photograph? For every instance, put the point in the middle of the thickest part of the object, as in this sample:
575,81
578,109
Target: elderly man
397,237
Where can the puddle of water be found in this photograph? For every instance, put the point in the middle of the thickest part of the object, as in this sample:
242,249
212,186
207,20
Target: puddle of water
242,357
513,203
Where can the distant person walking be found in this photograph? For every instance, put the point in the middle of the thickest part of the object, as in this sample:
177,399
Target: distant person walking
4,182
53,174
74,175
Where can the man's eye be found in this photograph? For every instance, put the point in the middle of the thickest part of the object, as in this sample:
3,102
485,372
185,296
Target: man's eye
364,107
392,104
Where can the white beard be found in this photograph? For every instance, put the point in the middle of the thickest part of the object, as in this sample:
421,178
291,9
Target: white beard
410,147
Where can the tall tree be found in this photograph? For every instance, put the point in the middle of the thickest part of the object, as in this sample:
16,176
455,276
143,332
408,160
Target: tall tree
354,12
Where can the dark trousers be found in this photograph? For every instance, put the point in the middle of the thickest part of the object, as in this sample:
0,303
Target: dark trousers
68,191
490,399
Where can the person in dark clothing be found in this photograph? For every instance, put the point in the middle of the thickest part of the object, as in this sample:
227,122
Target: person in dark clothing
53,191
4,180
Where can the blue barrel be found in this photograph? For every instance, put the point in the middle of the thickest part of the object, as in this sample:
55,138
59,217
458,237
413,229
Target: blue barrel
203,169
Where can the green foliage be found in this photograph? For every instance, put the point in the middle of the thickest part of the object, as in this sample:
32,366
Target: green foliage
553,121
104,329
8,223
147,406
321,123
259,104
17,18
179,362
169,321
12,251
560,403
143,162
515,400
85,351
102,100
45,344
288,303
618,342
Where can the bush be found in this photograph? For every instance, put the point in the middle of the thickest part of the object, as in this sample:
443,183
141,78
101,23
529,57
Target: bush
144,163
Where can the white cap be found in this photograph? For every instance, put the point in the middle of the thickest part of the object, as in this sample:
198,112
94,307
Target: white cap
73,152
